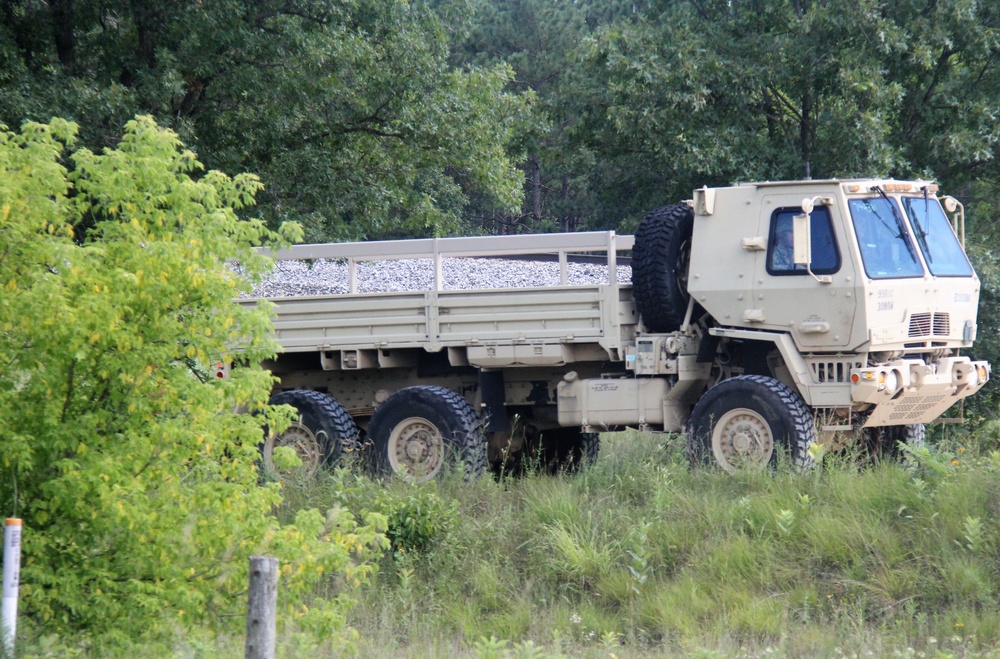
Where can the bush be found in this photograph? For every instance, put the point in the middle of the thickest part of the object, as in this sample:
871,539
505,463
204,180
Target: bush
136,479
418,518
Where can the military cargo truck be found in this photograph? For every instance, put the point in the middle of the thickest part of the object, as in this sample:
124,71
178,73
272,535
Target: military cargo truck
760,318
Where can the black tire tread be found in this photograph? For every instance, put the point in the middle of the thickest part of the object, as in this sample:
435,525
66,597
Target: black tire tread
328,415
591,447
786,399
467,439
656,284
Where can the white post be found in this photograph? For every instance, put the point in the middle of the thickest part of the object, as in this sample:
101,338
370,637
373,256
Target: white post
352,276
612,259
11,579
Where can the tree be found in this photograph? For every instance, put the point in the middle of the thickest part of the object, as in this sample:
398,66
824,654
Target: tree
539,39
125,456
349,112
706,92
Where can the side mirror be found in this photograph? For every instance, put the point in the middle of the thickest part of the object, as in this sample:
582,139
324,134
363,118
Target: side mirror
957,210
802,238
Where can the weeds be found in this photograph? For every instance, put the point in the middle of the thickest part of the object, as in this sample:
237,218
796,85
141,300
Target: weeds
640,556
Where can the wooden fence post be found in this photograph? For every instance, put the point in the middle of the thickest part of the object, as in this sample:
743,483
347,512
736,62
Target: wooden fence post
262,607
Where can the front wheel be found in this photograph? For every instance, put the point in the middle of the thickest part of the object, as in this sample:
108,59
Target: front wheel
744,422
418,431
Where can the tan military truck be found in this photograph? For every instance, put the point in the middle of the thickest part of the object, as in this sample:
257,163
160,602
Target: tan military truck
760,318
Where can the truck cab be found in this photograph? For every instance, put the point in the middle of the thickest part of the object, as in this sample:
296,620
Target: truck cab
876,309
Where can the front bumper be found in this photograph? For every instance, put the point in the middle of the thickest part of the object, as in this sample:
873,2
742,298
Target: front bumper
908,391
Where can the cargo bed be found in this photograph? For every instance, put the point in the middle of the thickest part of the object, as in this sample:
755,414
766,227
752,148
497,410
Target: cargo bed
543,325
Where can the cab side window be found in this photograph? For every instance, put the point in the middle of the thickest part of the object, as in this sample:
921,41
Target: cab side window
780,250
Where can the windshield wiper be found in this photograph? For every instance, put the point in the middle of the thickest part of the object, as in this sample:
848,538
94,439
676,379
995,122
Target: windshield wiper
904,233
919,230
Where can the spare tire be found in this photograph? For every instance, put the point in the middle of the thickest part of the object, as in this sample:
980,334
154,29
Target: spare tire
660,260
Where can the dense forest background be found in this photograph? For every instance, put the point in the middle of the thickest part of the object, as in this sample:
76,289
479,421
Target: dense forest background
395,118
378,118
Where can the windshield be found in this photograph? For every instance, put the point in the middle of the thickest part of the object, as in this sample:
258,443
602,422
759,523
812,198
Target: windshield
885,244
943,254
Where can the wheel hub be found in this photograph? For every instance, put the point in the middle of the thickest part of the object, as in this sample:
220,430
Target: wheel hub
416,449
742,442
305,444
741,439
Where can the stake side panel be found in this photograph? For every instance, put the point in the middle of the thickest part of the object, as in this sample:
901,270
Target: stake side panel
578,316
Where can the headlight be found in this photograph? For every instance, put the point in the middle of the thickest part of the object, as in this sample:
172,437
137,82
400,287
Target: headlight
891,381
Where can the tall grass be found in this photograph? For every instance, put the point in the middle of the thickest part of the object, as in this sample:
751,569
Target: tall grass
639,555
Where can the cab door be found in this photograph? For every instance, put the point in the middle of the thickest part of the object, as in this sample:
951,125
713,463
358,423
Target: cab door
815,304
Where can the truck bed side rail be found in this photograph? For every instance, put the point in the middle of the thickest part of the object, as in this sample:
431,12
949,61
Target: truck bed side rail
560,244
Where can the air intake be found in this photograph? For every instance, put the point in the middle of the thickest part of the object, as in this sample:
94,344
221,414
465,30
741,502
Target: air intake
930,324
942,324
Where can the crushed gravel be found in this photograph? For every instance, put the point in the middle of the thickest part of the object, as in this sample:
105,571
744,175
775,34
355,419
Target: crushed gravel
323,277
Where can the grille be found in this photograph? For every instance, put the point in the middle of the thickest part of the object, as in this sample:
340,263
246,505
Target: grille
942,324
930,324
914,409
833,371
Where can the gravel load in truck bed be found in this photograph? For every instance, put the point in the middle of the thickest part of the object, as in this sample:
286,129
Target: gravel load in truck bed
323,277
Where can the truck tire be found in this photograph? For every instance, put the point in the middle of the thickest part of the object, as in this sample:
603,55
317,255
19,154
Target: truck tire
744,422
418,431
660,260
882,442
320,435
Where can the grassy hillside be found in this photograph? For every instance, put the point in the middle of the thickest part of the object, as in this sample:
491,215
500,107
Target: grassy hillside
640,556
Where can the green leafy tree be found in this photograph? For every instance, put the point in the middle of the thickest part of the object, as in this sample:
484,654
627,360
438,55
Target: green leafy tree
710,92
350,112
123,453
539,40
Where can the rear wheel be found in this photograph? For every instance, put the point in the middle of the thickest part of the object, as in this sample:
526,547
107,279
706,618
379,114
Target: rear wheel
321,433
660,263
744,422
419,431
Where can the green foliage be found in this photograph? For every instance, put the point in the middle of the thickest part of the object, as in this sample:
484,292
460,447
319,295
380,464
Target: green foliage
645,101
641,554
136,478
418,517
703,564
349,112
490,648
